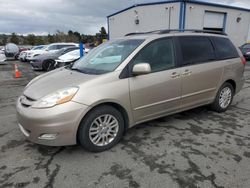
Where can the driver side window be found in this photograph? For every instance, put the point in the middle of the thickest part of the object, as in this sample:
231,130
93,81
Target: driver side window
159,54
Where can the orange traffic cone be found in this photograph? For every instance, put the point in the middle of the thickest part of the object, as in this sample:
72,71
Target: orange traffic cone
17,72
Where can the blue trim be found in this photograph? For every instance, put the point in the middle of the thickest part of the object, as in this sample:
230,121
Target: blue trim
144,4
180,15
81,49
108,28
224,22
217,5
184,15
187,1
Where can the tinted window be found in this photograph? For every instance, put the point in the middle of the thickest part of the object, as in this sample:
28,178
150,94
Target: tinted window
196,49
52,47
224,48
159,54
246,46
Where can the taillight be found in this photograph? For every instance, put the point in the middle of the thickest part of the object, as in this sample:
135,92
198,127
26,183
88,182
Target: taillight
243,60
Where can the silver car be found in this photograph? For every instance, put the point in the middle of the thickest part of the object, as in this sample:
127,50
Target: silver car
128,81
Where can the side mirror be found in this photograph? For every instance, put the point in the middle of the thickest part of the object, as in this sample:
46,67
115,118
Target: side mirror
141,68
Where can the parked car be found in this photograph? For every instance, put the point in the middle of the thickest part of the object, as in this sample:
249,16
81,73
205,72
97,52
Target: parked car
21,49
68,58
245,49
23,54
49,48
143,77
2,57
10,50
47,61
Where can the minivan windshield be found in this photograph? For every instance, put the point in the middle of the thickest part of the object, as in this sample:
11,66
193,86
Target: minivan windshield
106,57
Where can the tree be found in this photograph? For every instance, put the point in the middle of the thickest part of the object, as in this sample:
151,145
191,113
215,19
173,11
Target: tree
14,38
39,40
103,31
31,39
78,36
50,38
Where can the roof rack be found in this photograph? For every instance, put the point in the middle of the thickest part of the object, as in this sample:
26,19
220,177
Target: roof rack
177,30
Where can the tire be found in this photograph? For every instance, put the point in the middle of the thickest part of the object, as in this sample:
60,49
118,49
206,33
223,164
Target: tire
218,105
93,123
48,65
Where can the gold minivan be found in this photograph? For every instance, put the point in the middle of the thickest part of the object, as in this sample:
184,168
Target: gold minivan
128,81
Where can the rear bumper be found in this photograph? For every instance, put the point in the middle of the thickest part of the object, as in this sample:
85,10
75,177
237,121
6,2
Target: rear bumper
62,121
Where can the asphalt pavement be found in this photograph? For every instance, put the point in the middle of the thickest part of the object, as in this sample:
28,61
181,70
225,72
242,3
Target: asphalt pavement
196,148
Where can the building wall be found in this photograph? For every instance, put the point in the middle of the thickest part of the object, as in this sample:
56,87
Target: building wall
154,17
151,17
238,32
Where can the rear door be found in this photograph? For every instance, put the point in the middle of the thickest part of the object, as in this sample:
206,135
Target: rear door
158,92
200,72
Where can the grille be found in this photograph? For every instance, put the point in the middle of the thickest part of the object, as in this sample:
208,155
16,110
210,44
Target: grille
26,101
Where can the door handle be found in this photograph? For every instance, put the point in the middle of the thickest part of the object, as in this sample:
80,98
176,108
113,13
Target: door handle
186,72
175,75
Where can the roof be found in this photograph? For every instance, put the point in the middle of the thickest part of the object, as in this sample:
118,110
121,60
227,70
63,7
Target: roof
174,1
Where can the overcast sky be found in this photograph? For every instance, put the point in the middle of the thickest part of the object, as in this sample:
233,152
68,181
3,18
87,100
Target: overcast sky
84,16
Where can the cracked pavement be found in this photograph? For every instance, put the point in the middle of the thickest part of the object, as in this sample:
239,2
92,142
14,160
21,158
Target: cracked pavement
196,148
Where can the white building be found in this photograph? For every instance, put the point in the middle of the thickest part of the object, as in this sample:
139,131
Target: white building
182,14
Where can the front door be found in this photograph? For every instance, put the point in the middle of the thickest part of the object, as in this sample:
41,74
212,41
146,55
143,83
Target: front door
159,92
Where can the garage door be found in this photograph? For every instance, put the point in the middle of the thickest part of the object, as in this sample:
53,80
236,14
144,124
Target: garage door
214,21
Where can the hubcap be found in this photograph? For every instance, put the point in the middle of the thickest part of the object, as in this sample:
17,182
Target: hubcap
225,97
103,130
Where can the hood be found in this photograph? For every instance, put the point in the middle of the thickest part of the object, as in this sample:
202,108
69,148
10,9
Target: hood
52,81
73,55
68,57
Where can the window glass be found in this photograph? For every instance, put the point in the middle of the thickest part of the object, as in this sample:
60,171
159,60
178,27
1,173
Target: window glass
52,47
246,46
64,46
196,49
159,54
224,48
107,56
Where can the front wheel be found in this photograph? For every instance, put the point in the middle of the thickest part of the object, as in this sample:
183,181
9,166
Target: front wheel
48,65
101,129
223,98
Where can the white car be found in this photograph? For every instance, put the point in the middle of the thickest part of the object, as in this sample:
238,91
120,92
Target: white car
69,57
23,54
49,48
2,57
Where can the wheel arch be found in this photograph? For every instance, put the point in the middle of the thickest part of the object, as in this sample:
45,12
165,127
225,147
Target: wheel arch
115,105
232,82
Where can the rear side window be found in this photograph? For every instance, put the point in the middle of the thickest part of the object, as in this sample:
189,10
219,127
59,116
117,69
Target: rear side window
224,48
196,49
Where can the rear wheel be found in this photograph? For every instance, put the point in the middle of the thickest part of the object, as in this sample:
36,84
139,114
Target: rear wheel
48,65
223,98
101,129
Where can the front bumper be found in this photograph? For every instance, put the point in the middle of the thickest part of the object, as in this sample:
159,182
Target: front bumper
62,121
36,65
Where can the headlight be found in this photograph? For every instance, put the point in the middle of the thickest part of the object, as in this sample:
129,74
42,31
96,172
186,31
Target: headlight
59,97
247,53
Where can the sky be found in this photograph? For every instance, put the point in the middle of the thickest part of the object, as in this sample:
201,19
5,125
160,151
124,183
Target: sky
85,16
